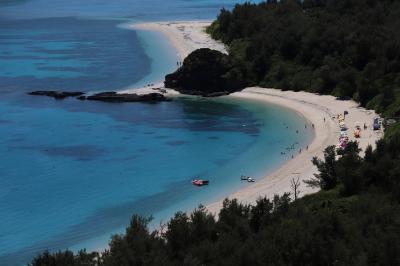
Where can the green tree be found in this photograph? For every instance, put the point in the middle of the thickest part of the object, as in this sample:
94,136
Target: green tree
327,177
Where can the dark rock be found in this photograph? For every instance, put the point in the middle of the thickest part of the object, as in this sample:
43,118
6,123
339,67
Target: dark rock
344,98
218,93
206,72
112,96
57,94
160,90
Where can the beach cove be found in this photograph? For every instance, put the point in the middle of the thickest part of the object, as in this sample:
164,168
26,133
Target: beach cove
212,132
320,111
246,126
74,172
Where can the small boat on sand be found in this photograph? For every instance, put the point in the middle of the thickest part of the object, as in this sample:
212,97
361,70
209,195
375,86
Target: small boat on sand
200,182
247,178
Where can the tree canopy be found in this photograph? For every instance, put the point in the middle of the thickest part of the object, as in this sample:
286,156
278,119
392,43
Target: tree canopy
205,72
340,47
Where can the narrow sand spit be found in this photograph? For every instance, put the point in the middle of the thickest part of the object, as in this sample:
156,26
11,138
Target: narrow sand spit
320,111
185,36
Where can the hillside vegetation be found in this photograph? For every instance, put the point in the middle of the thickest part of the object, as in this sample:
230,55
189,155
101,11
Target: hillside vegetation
340,47
205,72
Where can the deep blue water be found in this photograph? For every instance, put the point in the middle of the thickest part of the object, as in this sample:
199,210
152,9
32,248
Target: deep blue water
69,54
71,172
143,10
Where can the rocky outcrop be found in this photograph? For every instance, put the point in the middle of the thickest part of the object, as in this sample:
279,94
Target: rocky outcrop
57,94
112,96
109,96
205,72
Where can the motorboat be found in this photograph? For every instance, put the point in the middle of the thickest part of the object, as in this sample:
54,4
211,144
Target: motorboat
247,178
200,182
250,180
243,177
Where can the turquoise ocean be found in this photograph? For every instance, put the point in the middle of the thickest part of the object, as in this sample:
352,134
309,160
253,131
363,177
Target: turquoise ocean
72,173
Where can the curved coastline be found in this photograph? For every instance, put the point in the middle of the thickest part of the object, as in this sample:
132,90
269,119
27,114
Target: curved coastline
319,110
314,108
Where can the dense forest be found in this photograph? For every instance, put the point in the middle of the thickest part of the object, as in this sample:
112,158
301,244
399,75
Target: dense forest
342,47
204,72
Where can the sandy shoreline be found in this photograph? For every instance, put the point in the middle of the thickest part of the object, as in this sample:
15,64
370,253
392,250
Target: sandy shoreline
315,108
185,36
318,110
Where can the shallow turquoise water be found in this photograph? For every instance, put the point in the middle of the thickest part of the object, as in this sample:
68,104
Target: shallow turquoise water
75,171
71,172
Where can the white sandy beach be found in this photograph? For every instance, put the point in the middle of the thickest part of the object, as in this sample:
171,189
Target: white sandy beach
185,36
188,36
314,108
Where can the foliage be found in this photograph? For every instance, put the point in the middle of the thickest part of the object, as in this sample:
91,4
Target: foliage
340,47
205,72
65,258
326,178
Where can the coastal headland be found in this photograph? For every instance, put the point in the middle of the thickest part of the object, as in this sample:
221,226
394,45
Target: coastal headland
319,110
